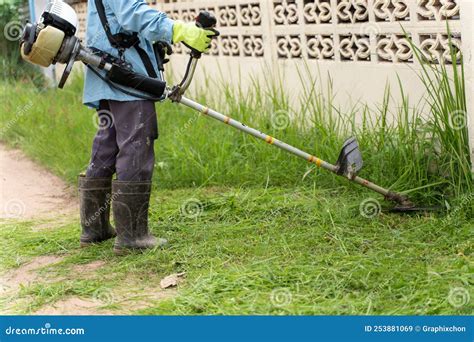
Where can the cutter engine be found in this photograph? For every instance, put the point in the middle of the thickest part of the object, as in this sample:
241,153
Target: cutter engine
52,40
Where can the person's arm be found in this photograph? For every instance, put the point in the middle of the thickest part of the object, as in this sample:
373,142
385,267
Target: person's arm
137,16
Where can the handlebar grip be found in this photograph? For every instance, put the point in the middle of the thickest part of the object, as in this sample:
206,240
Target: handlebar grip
128,78
206,20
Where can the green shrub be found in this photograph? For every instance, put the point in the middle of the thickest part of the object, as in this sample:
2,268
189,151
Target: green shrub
11,25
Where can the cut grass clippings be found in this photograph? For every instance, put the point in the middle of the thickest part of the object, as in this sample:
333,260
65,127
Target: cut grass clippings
260,251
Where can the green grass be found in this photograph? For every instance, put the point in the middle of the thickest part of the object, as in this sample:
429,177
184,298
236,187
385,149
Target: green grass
428,159
272,225
11,65
310,246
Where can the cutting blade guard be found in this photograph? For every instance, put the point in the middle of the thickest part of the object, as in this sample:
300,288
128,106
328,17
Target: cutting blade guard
350,161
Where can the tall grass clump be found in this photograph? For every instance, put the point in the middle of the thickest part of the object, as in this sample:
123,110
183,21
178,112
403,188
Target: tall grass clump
446,97
404,148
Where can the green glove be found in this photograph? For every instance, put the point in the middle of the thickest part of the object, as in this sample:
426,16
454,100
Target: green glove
192,36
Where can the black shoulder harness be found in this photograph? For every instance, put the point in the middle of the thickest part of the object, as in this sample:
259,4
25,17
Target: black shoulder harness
123,41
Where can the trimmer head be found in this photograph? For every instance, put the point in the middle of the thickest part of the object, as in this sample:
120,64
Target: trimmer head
350,161
412,209
405,206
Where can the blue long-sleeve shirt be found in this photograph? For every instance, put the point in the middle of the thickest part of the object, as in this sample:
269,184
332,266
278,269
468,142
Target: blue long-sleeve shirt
123,16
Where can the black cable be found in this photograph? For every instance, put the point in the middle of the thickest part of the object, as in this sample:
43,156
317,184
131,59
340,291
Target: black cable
188,68
123,90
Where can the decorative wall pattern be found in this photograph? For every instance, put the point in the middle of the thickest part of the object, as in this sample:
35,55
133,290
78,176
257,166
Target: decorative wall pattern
363,31
395,10
328,30
81,10
437,9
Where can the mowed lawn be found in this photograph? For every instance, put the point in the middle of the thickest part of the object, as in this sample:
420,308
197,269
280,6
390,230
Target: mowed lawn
254,251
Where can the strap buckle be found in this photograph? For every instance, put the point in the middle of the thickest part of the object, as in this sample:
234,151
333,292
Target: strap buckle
121,54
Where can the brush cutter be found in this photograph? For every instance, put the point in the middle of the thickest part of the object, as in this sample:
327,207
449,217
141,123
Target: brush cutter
348,164
53,40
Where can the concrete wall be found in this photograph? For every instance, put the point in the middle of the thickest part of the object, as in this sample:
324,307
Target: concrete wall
468,51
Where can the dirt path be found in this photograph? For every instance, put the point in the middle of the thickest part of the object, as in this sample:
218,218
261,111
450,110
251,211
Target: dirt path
134,295
28,191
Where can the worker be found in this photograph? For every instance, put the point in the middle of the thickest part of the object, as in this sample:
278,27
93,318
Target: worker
124,143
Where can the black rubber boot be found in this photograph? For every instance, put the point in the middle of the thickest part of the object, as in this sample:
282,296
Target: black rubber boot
94,196
130,208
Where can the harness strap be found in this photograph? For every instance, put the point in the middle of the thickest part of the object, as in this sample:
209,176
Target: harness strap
105,23
146,61
123,41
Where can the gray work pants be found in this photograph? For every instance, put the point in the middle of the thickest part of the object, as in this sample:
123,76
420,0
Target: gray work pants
124,141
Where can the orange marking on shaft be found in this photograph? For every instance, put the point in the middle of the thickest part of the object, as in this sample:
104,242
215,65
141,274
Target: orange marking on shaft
226,120
270,140
317,161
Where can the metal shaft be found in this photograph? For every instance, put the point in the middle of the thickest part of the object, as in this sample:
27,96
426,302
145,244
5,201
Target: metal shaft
284,146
